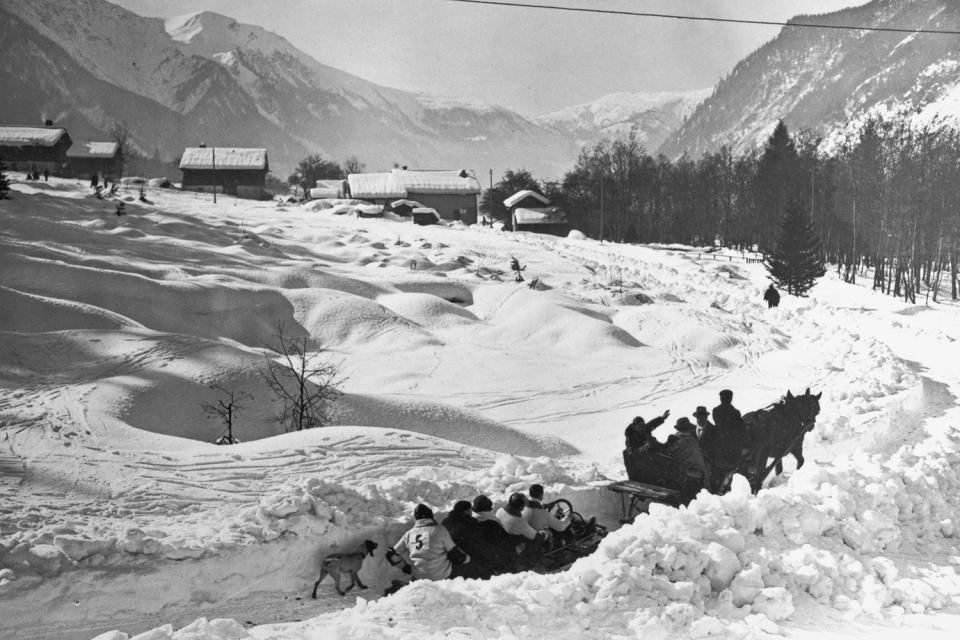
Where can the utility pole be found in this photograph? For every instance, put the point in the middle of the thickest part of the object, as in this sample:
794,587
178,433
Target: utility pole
601,203
213,163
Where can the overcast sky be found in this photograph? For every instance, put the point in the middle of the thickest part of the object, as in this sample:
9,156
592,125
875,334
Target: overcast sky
533,61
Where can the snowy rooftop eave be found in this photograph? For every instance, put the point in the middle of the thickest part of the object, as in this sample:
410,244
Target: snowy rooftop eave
92,150
226,158
525,193
30,136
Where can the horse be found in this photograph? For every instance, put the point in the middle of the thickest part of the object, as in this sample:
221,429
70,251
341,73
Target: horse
774,432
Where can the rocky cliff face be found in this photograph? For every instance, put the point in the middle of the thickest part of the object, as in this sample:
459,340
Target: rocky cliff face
828,80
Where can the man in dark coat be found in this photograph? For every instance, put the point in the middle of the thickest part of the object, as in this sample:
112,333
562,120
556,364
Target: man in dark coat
496,549
692,470
772,296
463,528
732,429
640,442
712,447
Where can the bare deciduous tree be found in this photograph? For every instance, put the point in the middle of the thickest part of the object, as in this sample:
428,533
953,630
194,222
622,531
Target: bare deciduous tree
226,409
304,381
120,132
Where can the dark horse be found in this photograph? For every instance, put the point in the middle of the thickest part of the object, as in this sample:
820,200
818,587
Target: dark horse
775,431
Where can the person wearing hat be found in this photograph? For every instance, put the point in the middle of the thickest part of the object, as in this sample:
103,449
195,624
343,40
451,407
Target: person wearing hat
530,541
711,445
732,431
496,549
639,443
428,547
684,448
538,517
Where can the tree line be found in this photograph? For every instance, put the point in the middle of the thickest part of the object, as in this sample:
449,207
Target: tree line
884,201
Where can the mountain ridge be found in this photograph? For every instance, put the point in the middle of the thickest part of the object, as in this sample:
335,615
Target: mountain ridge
268,89
827,81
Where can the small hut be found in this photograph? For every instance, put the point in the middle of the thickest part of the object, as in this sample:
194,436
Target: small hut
329,189
529,211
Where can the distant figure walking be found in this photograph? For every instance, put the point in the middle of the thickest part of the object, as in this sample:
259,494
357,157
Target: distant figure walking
772,296
46,175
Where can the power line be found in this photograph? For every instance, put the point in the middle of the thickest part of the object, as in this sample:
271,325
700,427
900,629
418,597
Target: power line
646,14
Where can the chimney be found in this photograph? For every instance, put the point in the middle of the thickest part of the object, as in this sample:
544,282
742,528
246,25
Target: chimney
48,123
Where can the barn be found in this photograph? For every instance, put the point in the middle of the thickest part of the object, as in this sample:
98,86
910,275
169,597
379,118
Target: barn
34,148
85,159
453,194
529,212
236,171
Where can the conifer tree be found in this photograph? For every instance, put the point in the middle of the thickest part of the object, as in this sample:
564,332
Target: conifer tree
4,183
796,263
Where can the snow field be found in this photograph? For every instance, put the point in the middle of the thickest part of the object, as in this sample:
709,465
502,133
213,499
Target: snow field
459,382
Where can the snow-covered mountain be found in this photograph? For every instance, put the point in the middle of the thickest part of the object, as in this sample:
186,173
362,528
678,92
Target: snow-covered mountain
655,115
825,79
205,77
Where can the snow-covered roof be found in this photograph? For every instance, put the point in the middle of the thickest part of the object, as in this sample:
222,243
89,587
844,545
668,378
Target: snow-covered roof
413,204
92,150
540,215
30,136
525,193
226,158
329,184
399,183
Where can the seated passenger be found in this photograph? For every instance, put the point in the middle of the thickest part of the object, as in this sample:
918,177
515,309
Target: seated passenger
496,549
684,448
511,517
463,529
538,517
427,547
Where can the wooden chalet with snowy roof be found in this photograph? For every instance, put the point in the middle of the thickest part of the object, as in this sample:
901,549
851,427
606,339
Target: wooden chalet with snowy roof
236,171
452,194
86,159
34,148
530,211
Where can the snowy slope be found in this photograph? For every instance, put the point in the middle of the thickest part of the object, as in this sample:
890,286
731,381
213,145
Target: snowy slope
655,116
119,515
826,80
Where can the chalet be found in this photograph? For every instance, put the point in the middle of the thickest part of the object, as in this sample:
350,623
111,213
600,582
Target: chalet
240,172
86,159
34,148
452,194
529,212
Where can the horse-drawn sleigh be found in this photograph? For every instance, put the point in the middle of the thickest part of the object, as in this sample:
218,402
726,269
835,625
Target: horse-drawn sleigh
771,434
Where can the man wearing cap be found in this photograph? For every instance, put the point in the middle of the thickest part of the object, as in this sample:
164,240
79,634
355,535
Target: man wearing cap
427,547
711,446
511,517
731,429
639,443
684,448
538,517
496,548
